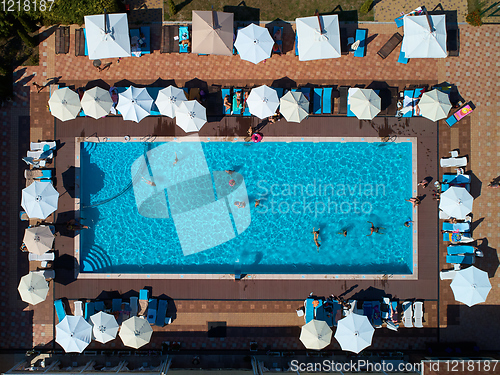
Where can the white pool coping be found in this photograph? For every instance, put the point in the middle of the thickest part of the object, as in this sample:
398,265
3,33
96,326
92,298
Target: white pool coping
195,138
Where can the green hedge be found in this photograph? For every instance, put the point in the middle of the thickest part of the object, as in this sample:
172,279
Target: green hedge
68,12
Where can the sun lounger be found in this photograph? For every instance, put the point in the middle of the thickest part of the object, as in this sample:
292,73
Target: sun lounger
142,33
353,304
447,274
62,40
343,92
394,315
168,43
452,42
89,310
304,90
40,154
153,302
460,259
327,100
60,310
80,43
49,274
368,310
463,237
361,36
116,305
46,257
465,110
99,306
38,174
417,94
377,319
385,308
226,92
278,44
418,313
460,227
407,314
183,35
42,146
78,308
143,301
453,162
134,307
461,249
309,310
161,313
237,108
246,111
390,45
317,101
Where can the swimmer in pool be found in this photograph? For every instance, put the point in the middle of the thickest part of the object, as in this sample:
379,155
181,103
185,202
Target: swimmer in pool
149,182
344,232
316,238
176,159
374,229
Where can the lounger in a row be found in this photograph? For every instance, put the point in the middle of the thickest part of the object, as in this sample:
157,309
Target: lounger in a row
413,314
464,250
46,257
322,100
460,259
456,227
453,162
42,146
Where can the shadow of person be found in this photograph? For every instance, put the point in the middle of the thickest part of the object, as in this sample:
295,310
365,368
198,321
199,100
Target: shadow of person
489,262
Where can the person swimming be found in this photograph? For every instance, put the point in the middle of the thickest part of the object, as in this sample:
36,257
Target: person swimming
316,238
374,229
149,182
176,159
344,232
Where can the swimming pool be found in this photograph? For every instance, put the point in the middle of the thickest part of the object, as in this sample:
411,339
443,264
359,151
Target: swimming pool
169,227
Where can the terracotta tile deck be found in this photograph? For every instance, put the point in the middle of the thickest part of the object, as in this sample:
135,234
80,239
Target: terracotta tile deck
475,73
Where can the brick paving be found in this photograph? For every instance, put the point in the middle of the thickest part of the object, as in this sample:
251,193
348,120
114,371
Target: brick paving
475,73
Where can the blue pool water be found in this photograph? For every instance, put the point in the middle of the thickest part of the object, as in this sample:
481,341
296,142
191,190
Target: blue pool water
301,185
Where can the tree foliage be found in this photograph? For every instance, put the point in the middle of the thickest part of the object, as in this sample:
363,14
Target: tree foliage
366,7
68,12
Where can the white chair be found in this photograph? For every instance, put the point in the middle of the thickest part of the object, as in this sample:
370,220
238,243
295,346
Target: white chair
447,274
408,314
453,162
134,306
78,308
45,257
418,312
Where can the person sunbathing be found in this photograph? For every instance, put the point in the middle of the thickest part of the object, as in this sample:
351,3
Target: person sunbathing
423,183
237,100
374,229
227,103
277,48
186,42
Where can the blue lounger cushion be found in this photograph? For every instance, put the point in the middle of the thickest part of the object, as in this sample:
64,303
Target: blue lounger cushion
143,295
116,305
461,227
99,306
451,121
89,310
460,259
327,100
461,249
161,313
368,310
361,36
409,94
85,35
296,45
402,59
399,21
236,108
317,100
153,302
309,313
183,35
246,111
226,92
145,31
60,311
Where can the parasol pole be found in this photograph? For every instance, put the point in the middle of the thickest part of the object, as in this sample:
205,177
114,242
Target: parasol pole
319,21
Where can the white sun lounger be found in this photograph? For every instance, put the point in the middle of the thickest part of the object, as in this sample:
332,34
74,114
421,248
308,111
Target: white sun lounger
447,274
48,274
408,314
40,146
45,257
78,308
418,313
40,154
454,162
